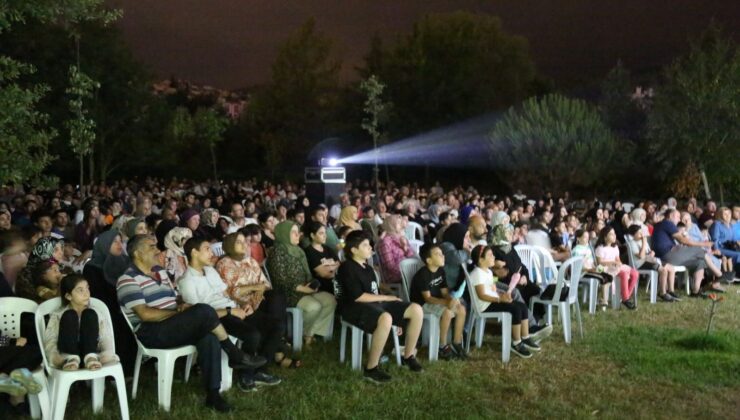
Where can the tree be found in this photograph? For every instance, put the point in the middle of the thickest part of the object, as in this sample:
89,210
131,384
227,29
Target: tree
377,112
556,143
206,128
695,118
81,127
24,134
623,115
450,68
299,103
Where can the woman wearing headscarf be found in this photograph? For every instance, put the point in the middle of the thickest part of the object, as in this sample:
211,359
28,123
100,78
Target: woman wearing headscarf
289,272
509,265
190,219
348,217
209,224
248,286
173,257
133,227
393,248
107,264
45,256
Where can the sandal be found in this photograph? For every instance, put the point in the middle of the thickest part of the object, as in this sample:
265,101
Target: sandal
71,363
24,377
293,364
92,362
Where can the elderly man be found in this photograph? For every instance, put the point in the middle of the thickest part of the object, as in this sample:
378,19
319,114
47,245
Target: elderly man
151,304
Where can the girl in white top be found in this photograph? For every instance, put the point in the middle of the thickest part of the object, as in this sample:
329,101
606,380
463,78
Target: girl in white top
78,332
582,248
487,299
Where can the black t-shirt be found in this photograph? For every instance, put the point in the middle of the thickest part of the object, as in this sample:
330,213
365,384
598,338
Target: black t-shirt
267,241
426,281
314,258
354,279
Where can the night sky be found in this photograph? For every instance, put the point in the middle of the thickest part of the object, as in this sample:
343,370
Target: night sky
232,43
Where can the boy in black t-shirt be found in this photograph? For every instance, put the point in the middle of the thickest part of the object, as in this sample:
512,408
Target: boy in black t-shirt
429,289
361,305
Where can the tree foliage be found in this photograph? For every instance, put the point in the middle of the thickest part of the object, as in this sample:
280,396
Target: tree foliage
24,132
298,104
695,119
556,143
452,67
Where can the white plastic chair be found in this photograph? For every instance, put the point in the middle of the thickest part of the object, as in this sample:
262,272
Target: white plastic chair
414,232
61,380
430,327
218,249
357,337
572,267
11,309
652,274
530,259
478,322
165,367
296,327
627,206
686,277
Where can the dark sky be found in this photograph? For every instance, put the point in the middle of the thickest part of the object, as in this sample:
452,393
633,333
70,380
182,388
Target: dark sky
232,43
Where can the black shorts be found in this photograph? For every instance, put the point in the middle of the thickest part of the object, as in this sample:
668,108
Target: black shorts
365,315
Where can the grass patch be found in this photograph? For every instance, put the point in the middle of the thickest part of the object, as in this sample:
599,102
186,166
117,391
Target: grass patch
650,363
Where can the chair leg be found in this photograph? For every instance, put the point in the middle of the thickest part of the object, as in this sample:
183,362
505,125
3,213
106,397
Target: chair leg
470,332
40,405
297,330
356,348
121,389
227,373
59,399
580,322
397,346
342,343
98,394
616,293
434,338
687,282
188,365
565,309
480,328
165,371
137,369
330,334
593,290
506,339
653,287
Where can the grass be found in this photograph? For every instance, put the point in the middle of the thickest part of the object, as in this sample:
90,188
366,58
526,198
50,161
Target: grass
652,363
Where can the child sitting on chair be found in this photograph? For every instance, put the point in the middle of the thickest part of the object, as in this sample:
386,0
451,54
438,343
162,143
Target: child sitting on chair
489,300
429,289
77,335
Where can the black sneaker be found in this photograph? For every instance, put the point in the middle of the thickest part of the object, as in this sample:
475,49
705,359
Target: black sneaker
246,384
446,352
697,295
666,298
376,375
674,296
530,344
246,361
521,351
629,305
412,363
265,379
459,350
216,402
538,333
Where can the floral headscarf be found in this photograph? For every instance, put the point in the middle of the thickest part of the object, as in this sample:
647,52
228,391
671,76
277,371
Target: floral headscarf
176,238
206,217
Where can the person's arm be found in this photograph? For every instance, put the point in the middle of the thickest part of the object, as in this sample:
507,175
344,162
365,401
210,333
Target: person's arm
684,240
643,249
372,298
148,314
428,298
480,290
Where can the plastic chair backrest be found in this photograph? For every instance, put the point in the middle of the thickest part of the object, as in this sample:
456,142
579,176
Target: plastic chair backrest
530,259
409,267
218,249
11,309
414,231
50,306
471,290
547,264
572,267
630,256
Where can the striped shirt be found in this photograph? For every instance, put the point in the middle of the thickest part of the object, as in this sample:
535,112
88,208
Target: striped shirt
135,288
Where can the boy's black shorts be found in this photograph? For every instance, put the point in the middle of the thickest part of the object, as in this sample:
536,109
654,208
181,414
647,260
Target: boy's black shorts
365,315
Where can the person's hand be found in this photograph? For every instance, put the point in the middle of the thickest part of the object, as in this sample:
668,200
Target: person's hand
506,298
239,313
452,303
183,307
21,341
392,298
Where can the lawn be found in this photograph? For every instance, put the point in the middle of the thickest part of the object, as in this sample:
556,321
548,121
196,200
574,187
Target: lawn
651,363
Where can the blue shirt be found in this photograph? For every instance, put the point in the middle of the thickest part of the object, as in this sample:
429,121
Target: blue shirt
736,231
720,234
663,240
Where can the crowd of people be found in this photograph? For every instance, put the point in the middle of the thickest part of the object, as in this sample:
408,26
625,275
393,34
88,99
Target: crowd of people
181,262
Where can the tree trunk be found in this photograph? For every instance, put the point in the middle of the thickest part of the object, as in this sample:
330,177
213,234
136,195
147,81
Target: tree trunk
213,159
82,171
91,166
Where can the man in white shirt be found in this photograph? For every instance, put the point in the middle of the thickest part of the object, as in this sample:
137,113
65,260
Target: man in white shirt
201,283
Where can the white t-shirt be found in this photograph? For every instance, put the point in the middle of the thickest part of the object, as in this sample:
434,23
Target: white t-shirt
206,288
484,277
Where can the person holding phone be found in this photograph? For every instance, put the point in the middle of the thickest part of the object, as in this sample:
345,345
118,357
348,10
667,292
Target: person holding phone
322,260
290,273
